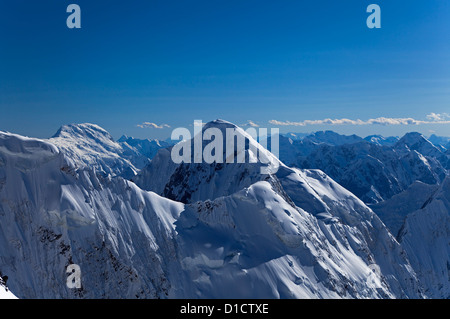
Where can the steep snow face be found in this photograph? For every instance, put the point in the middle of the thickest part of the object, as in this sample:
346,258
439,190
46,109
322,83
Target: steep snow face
88,145
256,244
426,239
394,210
331,204
52,215
375,173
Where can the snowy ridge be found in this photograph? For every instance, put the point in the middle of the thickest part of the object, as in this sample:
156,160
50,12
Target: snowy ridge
189,182
89,145
417,142
334,214
394,210
426,238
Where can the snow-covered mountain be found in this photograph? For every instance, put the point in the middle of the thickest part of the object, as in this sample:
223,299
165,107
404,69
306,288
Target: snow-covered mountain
426,239
54,214
417,142
309,192
295,136
381,140
332,138
89,145
232,233
145,147
393,211
440,141
373,172
292,150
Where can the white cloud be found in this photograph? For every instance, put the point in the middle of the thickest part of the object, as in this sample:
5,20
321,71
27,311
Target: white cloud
250,123
438,117
433,118
152,125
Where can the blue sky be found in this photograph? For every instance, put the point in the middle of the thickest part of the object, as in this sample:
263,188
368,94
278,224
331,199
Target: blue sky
171,62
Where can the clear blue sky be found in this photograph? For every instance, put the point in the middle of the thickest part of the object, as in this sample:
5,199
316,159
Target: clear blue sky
170,62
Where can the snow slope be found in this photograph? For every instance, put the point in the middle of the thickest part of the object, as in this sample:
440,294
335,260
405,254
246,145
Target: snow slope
53,215
5,293
426,239
89,145
394,210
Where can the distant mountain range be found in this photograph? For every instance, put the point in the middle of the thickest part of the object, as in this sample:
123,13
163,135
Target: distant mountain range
141,226
374,168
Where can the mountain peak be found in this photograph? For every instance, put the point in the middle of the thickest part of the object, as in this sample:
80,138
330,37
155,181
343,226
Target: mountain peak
413,136
381,140
220,124
332,138
417,142
83,130
123,138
